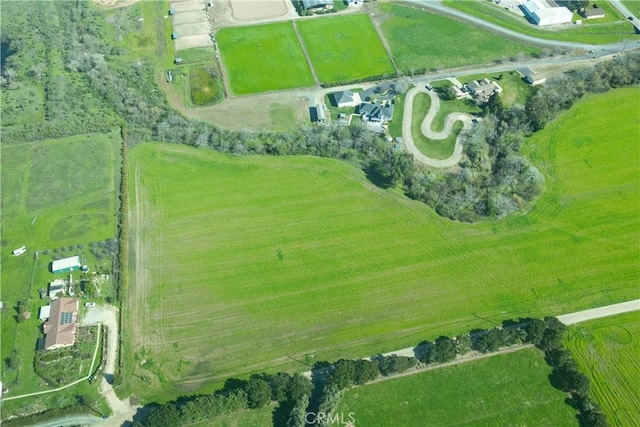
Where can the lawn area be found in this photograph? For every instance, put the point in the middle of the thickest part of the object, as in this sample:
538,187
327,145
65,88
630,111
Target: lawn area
633,6
58,196
262,58
514,89
300,256
262,417
593,34
607,351
503,390
438,149
344,48
422,41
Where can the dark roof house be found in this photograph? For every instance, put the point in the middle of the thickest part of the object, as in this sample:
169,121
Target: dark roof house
376,113
592,12
345,98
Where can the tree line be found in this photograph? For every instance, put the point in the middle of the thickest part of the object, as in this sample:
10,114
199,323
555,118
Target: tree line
91,86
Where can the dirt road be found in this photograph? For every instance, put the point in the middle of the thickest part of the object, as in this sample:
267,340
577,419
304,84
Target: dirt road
425,128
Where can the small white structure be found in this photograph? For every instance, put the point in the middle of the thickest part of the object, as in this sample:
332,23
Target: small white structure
19,251
542,14
45,311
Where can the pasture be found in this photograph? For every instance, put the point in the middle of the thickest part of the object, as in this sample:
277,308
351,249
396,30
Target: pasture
58,196
607,351
423,41
263,58
241,263
502,390
344,48
591,34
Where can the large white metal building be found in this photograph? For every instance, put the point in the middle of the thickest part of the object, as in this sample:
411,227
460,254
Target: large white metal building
543,14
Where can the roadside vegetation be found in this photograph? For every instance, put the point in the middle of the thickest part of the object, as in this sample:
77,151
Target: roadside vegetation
607,352
421,41
261,58
633,6
590,34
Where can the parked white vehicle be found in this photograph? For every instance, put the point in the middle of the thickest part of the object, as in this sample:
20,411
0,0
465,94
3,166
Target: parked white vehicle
19,251
89,304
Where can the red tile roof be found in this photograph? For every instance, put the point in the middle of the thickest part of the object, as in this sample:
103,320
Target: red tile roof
60,329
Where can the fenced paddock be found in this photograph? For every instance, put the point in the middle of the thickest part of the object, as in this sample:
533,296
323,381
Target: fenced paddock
246,10
190,20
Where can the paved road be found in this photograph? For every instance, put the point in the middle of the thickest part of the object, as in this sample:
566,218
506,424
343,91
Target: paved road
626,12
597,313
425,127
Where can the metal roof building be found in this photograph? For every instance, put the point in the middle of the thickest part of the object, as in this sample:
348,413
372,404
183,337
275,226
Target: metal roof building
65,265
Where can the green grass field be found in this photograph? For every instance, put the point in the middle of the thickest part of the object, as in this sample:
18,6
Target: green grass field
594,34
438,149
607,351
262,58
503,390
633,6
262,417
300,256
344,48
419,40
55,194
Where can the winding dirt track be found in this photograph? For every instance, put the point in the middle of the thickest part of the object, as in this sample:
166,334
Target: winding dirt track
425,128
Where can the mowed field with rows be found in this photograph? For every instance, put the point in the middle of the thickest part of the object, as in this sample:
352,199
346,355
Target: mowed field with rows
510,389
240,264
262,58
344,48
607,351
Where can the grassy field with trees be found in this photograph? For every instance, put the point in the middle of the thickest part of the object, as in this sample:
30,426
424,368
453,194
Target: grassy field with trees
344,48
262,58
607,351
483,392
58,198
312,265
594,34
422,41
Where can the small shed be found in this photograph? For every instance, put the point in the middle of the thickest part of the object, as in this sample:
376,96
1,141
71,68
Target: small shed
174,36
535,79
45,311
172,11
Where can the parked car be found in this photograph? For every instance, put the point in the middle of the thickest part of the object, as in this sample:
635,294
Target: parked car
90,304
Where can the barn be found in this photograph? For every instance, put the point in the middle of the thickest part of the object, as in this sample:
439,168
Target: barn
540,13
65,265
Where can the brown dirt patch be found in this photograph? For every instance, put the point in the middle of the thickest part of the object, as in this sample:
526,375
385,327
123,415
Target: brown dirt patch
244,10
115,3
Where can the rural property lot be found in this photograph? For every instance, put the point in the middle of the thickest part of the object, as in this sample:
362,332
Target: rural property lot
503,390
607,351
420,40
344,48
303,256
263,58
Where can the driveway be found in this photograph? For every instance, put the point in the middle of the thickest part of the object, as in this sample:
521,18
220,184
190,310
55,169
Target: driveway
425,128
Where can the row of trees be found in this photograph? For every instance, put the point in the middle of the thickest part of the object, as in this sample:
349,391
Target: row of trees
291,391
91,86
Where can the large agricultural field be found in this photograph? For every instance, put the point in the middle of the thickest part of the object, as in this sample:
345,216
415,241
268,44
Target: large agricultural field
58,197
424,41
263,58
275,257
607,351
502,390
344,48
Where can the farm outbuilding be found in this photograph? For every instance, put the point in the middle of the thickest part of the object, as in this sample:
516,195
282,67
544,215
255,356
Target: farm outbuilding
540,13
57,288
317,4
66,265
